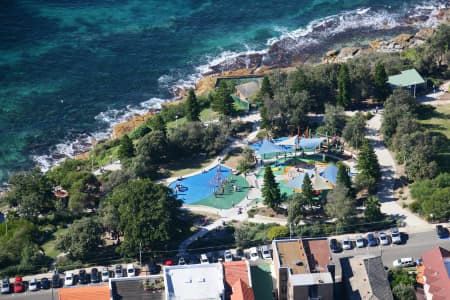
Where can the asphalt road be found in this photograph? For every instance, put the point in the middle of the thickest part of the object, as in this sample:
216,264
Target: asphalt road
415,245
38,295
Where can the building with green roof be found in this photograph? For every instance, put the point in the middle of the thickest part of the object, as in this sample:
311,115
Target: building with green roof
406,79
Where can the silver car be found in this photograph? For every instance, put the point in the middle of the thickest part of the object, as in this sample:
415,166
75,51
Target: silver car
346,243
360,242
396,237
384,240
33,285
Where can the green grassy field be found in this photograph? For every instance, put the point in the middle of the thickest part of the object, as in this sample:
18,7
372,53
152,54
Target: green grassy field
49,247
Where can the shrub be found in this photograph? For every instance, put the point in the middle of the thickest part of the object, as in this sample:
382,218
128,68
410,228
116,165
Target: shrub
415,206
251,213
277,232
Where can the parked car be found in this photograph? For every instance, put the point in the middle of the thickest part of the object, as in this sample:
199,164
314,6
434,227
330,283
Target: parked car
360,243
5,286
95,275
254,254
204,259
118,271
33,285
227,255
371,240
68,279
334,246
441,231
404,262
384,240
181,261
154,268
56,281
168,262
131,271
45,283
105,274
18,285
395,235
82,277
346,243
265,251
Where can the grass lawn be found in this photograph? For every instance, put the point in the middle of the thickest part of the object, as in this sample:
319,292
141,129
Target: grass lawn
49,246
438,120
187,166
205,115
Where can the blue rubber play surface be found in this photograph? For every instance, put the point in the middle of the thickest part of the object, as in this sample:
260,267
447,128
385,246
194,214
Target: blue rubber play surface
195,188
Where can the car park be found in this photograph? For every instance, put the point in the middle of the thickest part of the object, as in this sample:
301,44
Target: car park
56,280
105,274
360,242
265,251
404,262
45,283
334,246
204,259
395,235
227,255
346,243
118,271
371,240
33,285
82,277
95,275
68,279
5,286
19,287
441,231
131,271
384,240
254,254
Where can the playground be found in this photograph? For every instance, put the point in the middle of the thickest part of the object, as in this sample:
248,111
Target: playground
217,187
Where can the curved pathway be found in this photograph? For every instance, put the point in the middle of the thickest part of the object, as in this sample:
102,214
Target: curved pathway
388,176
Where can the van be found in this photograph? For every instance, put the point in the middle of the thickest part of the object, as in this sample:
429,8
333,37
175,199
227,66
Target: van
131,272
68,279
404,262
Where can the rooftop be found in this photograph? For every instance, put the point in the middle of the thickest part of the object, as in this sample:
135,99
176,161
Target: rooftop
292,254
238,279
406,78
436,272
200,281
318,253
248,89
86,292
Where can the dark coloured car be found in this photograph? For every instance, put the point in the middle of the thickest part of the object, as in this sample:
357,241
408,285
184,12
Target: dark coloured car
56,281
154,268
45,283
82,277
334,246
372,240
95,276
441,231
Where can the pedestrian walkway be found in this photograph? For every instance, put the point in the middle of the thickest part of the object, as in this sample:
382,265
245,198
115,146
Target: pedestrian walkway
388,176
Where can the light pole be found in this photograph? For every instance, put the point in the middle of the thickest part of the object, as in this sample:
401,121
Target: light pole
176,121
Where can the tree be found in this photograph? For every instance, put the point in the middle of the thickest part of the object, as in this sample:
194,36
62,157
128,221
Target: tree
339,204
126,148
334,119
307,190
368,167
382,90
354,130
157,123
344,179
438,204
151,150
266,88
247,162
148,215
82,239
296,210
192,107
270,190
222,100
404,292
344,87
372,211
277,232
440,44
109,216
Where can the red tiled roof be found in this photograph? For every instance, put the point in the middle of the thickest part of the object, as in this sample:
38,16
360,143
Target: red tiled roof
87,292
241,291
435,272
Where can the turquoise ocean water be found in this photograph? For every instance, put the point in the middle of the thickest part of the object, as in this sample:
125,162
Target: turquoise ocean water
70,69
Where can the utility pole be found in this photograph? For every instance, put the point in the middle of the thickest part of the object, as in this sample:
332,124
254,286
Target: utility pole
140,254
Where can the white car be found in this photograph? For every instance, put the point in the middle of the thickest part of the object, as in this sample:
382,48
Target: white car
204,259
227,255
68,279
404,262
254,254
384,240
131,272
118,271
360,242
5,285
396,237
265,251
346,243
33,285
105,274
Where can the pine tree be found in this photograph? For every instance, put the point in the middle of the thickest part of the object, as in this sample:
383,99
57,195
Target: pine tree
270,190
380,82
307,190
126,148
368,166
372,211
266,88
344,179
222,100
192,107
344,87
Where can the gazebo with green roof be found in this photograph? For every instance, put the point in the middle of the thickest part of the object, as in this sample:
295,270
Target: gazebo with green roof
406,79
